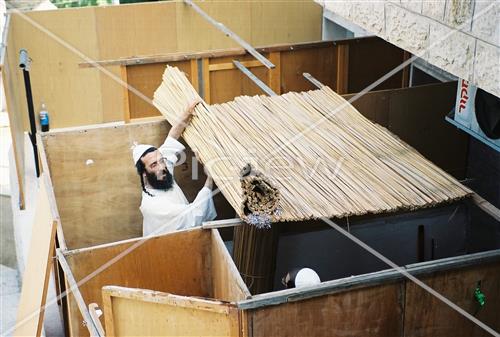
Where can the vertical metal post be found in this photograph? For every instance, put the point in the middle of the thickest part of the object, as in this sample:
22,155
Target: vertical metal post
24,64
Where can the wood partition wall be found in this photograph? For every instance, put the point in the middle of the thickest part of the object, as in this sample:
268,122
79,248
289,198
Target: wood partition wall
347,66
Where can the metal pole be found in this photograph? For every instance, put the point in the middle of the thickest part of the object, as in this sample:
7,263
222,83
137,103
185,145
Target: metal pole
254,78
24,64
220,26
314,81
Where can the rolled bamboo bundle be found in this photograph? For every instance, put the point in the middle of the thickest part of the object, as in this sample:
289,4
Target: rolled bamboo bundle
260,198
316,155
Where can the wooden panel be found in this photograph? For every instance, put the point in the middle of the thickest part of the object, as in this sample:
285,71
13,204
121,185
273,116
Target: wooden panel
274,75
416,115
36,276
227,283
112,94
16,121
425,315
126,103
146,79
135,312
319,62
57,41
375,311
273,21
136,29
177,263
342,68
194,33
93,167
369,60
225,85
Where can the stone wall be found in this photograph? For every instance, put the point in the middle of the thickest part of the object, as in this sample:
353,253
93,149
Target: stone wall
459,36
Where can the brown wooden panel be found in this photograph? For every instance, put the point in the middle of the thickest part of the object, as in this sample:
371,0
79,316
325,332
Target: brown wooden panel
225,85
178,263
227,283
293,20
73,96
136,29
425,315
136,312
369,60
31,311
146,79
319,62
373,312
16,121
416,115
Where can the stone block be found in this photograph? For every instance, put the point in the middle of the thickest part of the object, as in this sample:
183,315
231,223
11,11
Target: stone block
487,67
407,30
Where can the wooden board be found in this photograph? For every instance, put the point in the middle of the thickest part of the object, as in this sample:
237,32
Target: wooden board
146,79
194,33
319,62
375,311
56,42
227,283
178,263
136,312
369,60
416,115
30,312
272,20
16,123
225,85
425,315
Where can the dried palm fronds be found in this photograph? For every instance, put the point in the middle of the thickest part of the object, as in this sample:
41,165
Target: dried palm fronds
315,155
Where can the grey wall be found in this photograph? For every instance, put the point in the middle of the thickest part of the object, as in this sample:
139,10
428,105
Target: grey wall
483,170
334,256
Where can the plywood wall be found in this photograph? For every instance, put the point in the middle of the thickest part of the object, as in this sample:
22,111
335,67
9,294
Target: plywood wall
136,312
397,309
374,311
331,63
59,40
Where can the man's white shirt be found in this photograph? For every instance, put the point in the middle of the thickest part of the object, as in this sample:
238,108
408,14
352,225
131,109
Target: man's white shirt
168,211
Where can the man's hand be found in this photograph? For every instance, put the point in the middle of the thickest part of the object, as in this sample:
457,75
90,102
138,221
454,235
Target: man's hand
192,105
178,128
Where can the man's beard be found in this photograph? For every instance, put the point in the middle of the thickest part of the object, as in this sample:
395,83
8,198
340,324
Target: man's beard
160,184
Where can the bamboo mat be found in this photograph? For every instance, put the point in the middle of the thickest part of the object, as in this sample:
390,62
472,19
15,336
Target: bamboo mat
323,157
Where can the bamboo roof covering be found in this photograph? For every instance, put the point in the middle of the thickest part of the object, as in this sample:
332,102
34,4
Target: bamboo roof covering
316,153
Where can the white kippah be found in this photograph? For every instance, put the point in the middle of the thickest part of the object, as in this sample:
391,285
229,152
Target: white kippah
138,150
306,277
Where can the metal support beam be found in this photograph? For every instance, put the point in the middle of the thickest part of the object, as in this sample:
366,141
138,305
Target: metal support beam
314,81
220,26
254,78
